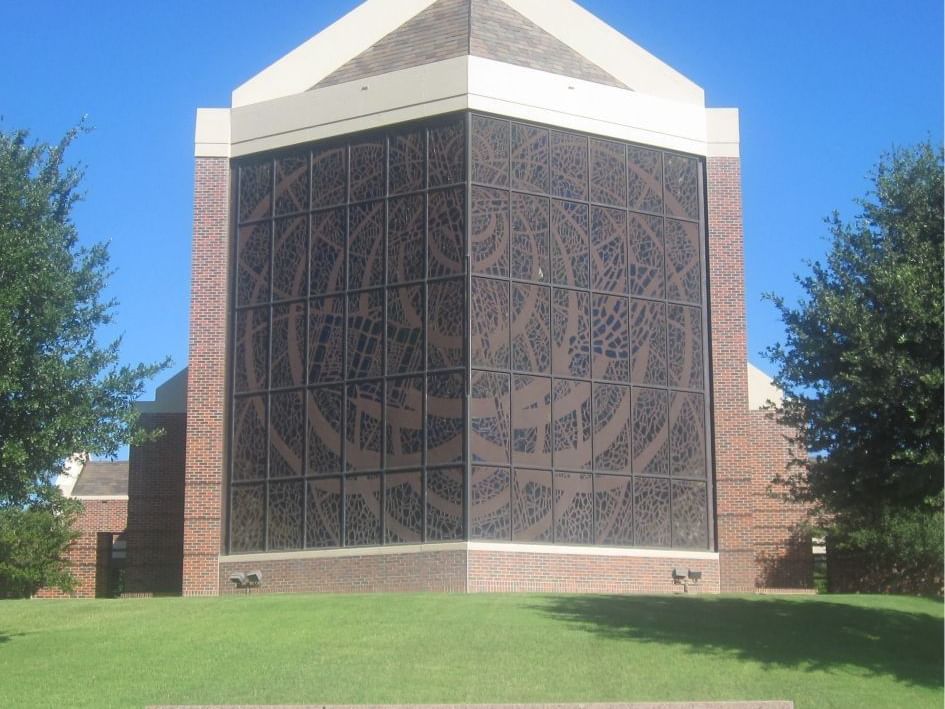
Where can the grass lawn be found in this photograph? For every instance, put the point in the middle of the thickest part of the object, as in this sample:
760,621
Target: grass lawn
820,651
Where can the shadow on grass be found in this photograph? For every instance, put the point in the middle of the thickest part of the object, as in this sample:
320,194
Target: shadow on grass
801,634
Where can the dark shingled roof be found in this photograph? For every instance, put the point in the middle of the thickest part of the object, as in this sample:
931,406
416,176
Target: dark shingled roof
102,477
483,28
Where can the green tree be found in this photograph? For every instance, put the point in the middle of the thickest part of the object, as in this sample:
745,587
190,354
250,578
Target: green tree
61,392
862,364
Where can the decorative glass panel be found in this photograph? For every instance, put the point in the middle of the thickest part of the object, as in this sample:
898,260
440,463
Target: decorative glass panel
404,437
248,518
367,169
490,504
366,245
403,508
690,520
489,312
326,339
447,150
489,233
687,435
366,334
570,333
362,510
444,504
252,255
682,187
323,520
608,172
608,250
292,191
685,347
489,414
651,512
531,328
407,161
285,514
650,432
447,225
530,158
490,151
329,176
532,519
612,428
613,496
648,325
531,421
568,165
683,269
610,338
404,329
645,184
288,345
255,192
570,258
446,324
531,260
363,408
325,406
249,438
574,508
646,256
406,237
252,349
445,420
329,236
290,255
572,424
286,435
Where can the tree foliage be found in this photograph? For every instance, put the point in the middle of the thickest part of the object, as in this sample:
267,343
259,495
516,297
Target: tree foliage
862,362
61,392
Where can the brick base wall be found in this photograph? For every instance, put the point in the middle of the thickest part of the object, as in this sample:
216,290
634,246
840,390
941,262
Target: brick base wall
98,516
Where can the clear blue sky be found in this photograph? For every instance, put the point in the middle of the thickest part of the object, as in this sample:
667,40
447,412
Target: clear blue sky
823,88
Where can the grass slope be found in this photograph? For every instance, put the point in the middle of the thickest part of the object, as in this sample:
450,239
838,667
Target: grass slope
836,651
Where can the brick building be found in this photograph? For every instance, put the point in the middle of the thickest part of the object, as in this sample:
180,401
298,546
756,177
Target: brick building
467,314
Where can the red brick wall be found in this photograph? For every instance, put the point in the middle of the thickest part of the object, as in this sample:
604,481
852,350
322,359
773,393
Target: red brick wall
156,508
97,516
206,378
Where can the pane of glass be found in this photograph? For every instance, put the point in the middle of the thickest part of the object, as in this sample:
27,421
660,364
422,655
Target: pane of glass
329,236
687,435
646,256
608,172
531,421
614,501
574,508
247,518
570,259
650,432
651,512
366,334
324,430
405,238
367,169
285,514
447,154
255,191
252,272
682,186
568,165
363,510
444,504
645,184
685,347
690,521
447,226
571,333
529,158
363,410
610,338
532,519
403,508
292,184
489,235
404,438
404,329
489,429
290,256
648,328
252,349
445,419
490,504
366,245
288,345
608,250
286,435
329,176
572,424
612,428
531,328
531,258
407,160
683,270
490,151
323,522
326,332
249,438
446,329
489,311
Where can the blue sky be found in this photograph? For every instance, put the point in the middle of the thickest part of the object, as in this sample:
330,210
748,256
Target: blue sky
823,88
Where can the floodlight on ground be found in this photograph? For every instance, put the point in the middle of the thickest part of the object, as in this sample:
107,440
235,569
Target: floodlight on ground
254,578
238,578
695,576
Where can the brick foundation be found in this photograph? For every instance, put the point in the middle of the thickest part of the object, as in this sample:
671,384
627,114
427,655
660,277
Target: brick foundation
84,554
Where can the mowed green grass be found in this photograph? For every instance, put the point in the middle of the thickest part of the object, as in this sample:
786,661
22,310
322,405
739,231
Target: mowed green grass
821,651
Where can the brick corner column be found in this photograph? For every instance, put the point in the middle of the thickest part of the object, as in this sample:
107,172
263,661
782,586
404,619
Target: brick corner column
206,379
733,460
